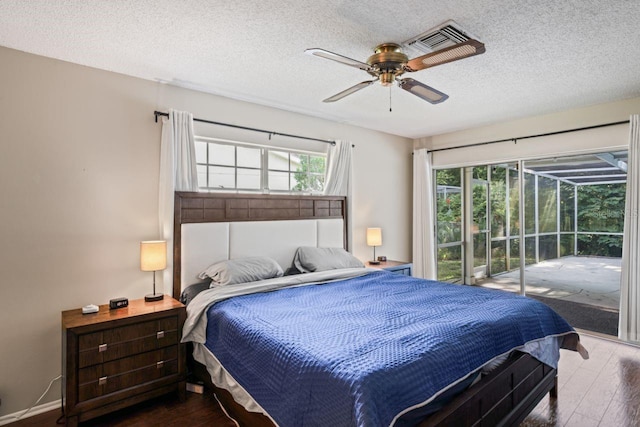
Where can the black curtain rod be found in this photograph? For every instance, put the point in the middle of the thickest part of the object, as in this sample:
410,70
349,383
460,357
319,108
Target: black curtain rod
326,141
515,140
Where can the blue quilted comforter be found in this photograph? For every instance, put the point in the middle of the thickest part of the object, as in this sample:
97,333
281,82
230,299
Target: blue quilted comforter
359,352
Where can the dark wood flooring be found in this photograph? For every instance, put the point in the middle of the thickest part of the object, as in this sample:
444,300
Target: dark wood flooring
602,391
199,410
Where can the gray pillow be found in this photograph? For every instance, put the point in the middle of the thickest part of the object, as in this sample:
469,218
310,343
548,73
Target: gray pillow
309,259
241,270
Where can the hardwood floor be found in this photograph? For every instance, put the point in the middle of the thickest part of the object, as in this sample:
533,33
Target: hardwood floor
602,391
199,410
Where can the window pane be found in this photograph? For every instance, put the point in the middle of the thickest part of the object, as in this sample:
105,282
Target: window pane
514,255
600,245
222,154
530,250
222,177
498,201
279,181
480,172
498,257
316,182
279,160
201,151
514,203
450,264
202,176
249,179
547,205
529,203
298,162
479,249
566,244
548,247
449,205
479,206
299,181
567,207
601,207
317,164
249,157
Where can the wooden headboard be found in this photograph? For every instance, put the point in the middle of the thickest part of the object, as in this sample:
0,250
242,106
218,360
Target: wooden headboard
191,207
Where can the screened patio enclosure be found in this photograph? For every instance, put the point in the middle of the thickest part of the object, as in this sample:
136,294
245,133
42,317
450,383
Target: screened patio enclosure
572,207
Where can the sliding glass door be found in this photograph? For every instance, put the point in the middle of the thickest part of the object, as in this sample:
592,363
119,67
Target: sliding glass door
572,220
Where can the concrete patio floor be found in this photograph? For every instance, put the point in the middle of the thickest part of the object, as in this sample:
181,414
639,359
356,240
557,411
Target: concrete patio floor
587,280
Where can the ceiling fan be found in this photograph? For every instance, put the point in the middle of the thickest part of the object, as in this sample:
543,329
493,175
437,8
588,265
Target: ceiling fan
388,63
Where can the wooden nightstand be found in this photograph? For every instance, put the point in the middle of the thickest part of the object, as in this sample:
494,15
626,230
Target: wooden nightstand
116,358
398,267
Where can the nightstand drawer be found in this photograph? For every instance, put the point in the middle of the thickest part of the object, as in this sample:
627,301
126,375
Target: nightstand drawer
402,269
99,347
95,381
396,267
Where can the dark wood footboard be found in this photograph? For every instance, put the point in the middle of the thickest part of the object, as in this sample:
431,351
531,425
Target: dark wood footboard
502,398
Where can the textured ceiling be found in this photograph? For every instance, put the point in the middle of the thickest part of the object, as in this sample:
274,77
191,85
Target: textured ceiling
542,56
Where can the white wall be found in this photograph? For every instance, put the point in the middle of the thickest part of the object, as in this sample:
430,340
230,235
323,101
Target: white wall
79,154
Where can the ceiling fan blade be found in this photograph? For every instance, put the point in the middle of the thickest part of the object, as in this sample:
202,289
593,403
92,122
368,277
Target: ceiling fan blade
459,51
423,91
349,91
338,58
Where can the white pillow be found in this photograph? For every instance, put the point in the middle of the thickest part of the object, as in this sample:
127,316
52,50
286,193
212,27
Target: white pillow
241,270
309,259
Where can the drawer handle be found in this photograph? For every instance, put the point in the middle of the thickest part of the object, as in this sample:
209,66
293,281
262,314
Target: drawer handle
102,347
102,380
160,334
160,364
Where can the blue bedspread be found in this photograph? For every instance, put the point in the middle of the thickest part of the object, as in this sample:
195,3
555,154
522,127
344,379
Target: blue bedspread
360,351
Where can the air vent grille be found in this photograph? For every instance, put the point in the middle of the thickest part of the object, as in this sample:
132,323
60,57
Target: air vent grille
444,35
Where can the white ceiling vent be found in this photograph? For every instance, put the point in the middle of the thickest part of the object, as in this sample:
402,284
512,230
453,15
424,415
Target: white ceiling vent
444,35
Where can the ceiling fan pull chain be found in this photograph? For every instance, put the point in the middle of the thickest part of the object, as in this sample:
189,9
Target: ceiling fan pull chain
390,110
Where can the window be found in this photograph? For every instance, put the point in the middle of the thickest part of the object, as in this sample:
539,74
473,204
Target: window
235,166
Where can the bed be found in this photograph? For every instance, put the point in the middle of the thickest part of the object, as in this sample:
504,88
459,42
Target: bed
283,351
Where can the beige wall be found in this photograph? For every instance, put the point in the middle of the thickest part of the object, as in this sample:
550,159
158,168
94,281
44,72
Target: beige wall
590,140
79,154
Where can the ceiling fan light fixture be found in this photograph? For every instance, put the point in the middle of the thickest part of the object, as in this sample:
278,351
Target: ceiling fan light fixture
387,79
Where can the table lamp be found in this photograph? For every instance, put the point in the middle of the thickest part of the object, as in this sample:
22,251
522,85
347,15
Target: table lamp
153,257
374,238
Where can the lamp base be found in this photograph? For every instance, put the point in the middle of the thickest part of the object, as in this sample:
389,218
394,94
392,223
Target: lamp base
153,297
374,262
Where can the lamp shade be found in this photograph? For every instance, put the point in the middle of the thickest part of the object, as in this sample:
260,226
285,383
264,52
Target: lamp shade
153,255
374,236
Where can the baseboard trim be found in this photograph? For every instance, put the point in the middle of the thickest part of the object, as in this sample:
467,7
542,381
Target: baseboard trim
45,407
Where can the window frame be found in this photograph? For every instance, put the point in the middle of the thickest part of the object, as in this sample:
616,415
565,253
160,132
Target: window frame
264,169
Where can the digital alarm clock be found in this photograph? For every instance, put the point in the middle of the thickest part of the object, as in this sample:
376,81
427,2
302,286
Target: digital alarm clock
118,303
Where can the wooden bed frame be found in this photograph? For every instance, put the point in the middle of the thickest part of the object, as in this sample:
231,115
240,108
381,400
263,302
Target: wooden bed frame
503,398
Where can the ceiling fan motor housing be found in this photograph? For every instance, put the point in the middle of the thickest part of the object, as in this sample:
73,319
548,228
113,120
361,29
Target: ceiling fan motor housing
388,62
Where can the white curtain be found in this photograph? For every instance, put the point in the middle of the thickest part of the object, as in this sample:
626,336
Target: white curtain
424,243
339,181
629,327
177,173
